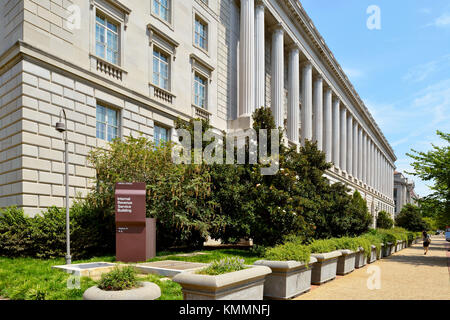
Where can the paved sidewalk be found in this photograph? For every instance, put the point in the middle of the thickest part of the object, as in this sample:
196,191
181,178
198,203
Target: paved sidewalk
406,275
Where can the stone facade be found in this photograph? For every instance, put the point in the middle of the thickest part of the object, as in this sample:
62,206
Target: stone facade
403,192
48,62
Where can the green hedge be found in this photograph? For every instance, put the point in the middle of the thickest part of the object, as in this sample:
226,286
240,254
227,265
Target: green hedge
289,251
44,236
294,249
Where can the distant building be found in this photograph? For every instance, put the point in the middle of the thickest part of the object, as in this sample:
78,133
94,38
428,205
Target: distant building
403,192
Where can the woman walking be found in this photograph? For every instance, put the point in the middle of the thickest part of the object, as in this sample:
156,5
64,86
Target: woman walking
426,241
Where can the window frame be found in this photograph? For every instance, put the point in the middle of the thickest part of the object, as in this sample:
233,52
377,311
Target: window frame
106,123
168,133
169,22
206,90
198,21
169,68
197,16
108,19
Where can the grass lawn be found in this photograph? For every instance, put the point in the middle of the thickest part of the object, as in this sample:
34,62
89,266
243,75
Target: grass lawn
34,279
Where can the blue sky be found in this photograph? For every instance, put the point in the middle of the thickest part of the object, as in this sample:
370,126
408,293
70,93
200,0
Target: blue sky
402,71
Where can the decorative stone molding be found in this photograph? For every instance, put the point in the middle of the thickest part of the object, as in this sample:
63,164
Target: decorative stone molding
172,43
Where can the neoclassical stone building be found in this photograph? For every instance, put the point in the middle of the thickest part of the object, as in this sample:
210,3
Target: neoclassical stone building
403,192
121,67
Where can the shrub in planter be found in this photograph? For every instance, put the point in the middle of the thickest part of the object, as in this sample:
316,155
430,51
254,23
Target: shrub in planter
375,246
291,273
326,253
227,279
122,284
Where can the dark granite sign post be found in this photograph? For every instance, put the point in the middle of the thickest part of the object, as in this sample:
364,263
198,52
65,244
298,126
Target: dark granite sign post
135,234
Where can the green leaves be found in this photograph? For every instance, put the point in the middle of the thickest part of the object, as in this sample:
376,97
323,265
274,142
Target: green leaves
118,279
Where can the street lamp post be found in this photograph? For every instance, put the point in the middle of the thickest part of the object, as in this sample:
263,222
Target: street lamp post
62,128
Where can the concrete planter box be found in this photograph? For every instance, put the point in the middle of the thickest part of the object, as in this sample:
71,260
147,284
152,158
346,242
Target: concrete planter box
405,244
288,278
373,255
387,249
247,284
381,253
346,262
399,246
147,291
325,268
360,258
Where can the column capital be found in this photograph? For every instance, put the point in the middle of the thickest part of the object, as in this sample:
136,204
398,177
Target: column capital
276,28
306,63
259,4
293,47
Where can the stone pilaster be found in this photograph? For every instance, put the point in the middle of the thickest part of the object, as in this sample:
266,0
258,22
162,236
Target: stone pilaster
294,96
343,124
307,132
336,134
247,59
278,76
360,153
355,149
260,64
318,112
328,124
350,144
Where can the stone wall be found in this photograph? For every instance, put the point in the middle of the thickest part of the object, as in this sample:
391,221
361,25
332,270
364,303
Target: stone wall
32,159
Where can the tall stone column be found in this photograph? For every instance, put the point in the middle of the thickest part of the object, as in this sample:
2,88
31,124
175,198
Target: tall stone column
379,170
278,75
307,132
344,149
350,144
355,150
247,59
318,112
360,153
367,158
260,59
372,176
328,124
336,134
364,171
294,96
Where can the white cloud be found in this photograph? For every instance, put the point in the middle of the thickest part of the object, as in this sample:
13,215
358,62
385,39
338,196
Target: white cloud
442,21
421,72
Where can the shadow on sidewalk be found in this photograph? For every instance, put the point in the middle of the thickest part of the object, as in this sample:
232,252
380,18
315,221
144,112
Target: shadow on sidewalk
419,259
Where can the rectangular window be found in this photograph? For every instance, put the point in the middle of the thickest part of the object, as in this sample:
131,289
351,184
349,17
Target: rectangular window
200,88
106,39
161,135
160,69
161,8
201,34
107,123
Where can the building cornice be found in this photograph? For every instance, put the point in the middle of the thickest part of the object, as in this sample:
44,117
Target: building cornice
307,26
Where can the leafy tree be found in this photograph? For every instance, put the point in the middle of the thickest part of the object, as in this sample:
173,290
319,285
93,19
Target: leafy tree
178,196
384,220
410,218
434,166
